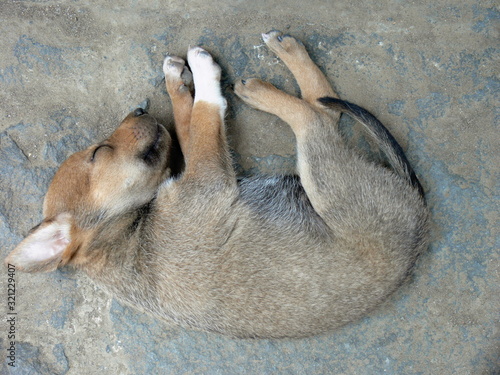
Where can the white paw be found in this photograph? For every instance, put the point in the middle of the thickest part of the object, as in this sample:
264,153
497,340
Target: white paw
206,77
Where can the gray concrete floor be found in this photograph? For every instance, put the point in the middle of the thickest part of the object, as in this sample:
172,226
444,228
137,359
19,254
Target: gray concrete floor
69,71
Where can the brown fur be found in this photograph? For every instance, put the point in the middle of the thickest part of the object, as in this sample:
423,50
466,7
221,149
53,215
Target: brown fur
259,257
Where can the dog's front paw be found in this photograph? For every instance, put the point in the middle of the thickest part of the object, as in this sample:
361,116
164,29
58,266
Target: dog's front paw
203,65
177,73
206,76
282,44
173,66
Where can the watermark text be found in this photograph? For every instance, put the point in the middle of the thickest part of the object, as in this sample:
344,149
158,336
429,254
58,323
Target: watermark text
11,315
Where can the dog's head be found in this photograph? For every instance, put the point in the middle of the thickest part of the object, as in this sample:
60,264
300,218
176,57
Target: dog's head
111,178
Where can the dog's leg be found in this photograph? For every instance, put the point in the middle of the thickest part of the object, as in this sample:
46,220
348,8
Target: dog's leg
299,114
318,141
178,79
208,151
323,160
312,82
263,96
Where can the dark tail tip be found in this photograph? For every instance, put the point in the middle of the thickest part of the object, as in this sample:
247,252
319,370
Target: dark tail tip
384,138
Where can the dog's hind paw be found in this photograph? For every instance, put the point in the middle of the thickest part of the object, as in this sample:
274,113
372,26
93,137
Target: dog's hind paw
282,44
255,92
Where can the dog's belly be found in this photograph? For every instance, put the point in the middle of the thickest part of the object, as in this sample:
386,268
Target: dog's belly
281,200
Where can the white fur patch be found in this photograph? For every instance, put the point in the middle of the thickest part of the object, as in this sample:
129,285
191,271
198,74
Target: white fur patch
206,77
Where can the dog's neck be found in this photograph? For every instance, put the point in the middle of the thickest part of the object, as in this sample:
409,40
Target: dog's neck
110,243
119,257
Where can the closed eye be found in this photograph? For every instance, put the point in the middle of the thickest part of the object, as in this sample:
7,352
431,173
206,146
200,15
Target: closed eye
97,149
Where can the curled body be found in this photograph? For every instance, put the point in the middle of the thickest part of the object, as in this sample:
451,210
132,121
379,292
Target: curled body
259,257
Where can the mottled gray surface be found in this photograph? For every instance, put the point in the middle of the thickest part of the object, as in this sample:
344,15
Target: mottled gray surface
429,70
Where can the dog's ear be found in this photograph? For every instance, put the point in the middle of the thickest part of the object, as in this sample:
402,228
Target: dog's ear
43,248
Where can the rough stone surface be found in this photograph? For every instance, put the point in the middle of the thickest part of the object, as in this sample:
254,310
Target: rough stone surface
69,71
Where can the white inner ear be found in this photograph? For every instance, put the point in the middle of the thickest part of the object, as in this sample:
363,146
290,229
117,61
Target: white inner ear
47,242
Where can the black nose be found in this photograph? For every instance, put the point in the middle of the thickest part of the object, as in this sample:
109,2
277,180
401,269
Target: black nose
139,112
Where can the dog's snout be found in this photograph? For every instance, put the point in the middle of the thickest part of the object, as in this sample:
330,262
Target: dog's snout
139,112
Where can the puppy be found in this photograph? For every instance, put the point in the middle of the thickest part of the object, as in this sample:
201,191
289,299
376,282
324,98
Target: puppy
259,257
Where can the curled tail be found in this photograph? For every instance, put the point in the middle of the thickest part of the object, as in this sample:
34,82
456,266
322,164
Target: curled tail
385,141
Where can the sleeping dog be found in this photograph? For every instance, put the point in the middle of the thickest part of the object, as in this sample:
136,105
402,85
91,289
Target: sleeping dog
260,257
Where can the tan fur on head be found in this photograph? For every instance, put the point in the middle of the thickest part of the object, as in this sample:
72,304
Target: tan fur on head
113,175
